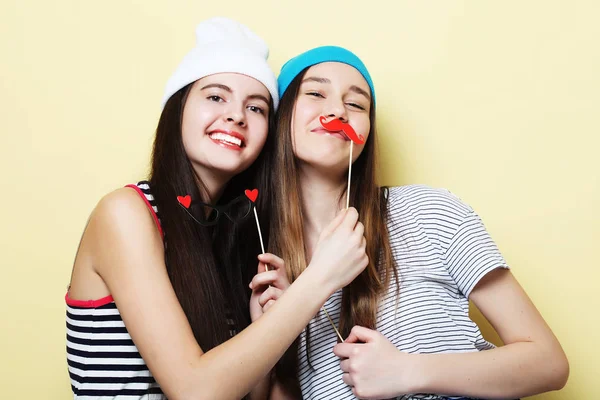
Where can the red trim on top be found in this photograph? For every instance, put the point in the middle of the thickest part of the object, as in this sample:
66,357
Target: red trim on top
88,303
137,189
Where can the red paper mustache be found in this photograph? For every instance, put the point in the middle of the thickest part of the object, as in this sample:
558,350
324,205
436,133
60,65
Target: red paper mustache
337,125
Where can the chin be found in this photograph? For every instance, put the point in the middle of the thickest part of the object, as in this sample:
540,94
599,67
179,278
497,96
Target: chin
222,166
231,169
325,155
334,166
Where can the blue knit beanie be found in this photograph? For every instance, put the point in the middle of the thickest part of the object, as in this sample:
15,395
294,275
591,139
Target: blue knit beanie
318,55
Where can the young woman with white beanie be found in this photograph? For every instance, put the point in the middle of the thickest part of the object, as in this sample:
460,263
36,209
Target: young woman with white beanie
159,305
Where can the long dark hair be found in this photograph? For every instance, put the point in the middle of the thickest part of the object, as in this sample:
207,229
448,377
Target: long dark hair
209,267
360,298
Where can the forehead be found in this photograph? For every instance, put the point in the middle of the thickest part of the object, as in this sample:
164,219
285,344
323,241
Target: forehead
236,82
340,73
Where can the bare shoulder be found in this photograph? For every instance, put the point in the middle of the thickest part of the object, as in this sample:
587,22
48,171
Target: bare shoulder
122,223
123,205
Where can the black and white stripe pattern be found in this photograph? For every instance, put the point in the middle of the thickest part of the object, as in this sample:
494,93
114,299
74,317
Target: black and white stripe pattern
103,360
145,188
442,250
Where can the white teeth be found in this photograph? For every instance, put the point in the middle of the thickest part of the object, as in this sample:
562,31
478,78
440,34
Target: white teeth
226,138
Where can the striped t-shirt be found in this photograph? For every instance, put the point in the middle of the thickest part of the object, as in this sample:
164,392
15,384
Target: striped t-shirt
442,250
103,361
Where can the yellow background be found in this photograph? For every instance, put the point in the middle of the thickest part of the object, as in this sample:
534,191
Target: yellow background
497,101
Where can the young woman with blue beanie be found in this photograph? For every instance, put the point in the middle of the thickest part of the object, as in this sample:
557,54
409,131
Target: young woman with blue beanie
405,318
159,304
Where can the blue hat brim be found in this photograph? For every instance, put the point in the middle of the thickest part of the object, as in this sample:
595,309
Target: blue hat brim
296,65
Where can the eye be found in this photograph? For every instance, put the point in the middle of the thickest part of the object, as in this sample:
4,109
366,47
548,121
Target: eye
256,109
357,106
215,98
315,94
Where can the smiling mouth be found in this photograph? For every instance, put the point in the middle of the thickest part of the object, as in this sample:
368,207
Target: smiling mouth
337,134
232,140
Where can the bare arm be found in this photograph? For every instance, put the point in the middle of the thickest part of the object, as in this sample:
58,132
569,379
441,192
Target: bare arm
531,361
267,287
135,274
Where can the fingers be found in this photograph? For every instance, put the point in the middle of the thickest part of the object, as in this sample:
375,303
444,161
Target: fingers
352,338
264,279
271,293
358,235
347,379
273,261
359,230
360,334
262,267
270,278
350,219
333,225
346,219
344,350
276,274
268,305
345,365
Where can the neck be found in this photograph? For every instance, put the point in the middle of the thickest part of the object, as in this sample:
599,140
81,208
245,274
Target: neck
213,184
321,200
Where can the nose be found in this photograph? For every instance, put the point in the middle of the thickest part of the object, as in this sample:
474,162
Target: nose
235,115
238,122
336,109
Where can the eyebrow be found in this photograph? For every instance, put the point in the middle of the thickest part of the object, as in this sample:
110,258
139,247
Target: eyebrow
353,88
316,79
358,90
259,97
218,85
228,89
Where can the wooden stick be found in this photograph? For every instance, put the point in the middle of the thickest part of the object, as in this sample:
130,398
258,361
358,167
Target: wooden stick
332,324
262,245
347,206
349,175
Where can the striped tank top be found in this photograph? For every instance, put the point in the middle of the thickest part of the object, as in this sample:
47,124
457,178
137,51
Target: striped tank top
103,361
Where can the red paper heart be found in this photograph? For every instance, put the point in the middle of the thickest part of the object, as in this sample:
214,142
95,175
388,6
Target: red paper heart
185,200
251,194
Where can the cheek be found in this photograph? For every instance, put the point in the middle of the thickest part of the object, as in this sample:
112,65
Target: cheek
363,127
189,140
305,112
195,121
260,127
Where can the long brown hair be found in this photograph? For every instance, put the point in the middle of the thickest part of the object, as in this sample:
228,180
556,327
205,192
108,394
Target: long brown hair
209,267
361,297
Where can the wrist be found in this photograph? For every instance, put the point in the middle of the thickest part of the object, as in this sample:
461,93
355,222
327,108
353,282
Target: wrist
420,373
320,287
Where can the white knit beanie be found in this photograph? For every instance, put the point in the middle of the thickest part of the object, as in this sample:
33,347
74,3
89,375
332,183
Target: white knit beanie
224,45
